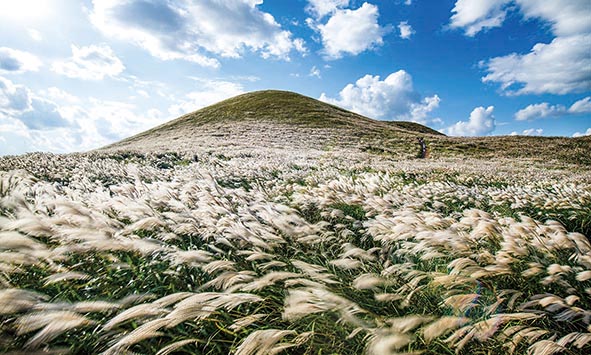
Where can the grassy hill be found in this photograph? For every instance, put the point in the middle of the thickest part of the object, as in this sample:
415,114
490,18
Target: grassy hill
277,119
286,120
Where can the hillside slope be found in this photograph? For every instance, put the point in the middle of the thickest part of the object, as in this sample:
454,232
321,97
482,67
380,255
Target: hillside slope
274,118
288,121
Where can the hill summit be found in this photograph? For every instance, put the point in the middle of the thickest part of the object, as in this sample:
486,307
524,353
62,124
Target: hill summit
270,118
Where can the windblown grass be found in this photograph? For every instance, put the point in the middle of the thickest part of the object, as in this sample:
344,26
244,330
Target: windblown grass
302,252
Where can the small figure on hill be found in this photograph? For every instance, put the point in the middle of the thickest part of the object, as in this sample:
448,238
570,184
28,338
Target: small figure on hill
424,152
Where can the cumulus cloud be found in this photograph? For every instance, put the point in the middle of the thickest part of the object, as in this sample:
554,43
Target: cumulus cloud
321,8
14,137
405,30
42,114
349,32
393,98
559,67
196,30
13,98
481,122
93,62
57,121
209,92
56,94
544,110
582,134
15,61
114,120
532,112
533,132
529,132
19,103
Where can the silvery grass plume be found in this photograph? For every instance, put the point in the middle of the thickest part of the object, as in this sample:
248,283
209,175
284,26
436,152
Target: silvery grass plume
170,348
267,342
14,300
244,322
53,323
400,256
304,301
202,305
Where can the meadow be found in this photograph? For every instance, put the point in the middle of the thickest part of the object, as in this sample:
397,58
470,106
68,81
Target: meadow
277,251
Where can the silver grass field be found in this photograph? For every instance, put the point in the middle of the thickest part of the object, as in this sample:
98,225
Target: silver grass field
271,251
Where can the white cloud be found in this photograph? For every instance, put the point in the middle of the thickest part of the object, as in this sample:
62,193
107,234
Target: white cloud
393,98
350,32
116,120
481,122
210,92
475,16
194,31
533,132
560,67
544,110
408,2
567,17
15,61
528,132
57,121
315,72
321,8
13,97
56,94
34,34
579,134
18,103
419,111
14,136
581,106
43,114
93,62
405,30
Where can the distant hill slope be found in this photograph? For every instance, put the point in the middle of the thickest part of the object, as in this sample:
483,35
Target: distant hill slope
289,121
273,118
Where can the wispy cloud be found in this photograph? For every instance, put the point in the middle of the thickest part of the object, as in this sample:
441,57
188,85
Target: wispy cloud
15,61
93,62
196,31
559,67
476,16
545,110
210,92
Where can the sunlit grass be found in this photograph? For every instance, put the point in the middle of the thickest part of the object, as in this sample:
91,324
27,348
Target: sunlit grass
304,252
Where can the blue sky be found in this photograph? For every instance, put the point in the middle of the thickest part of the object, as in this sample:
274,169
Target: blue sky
76,75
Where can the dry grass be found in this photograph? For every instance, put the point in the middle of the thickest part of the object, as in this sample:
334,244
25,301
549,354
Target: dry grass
282,251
